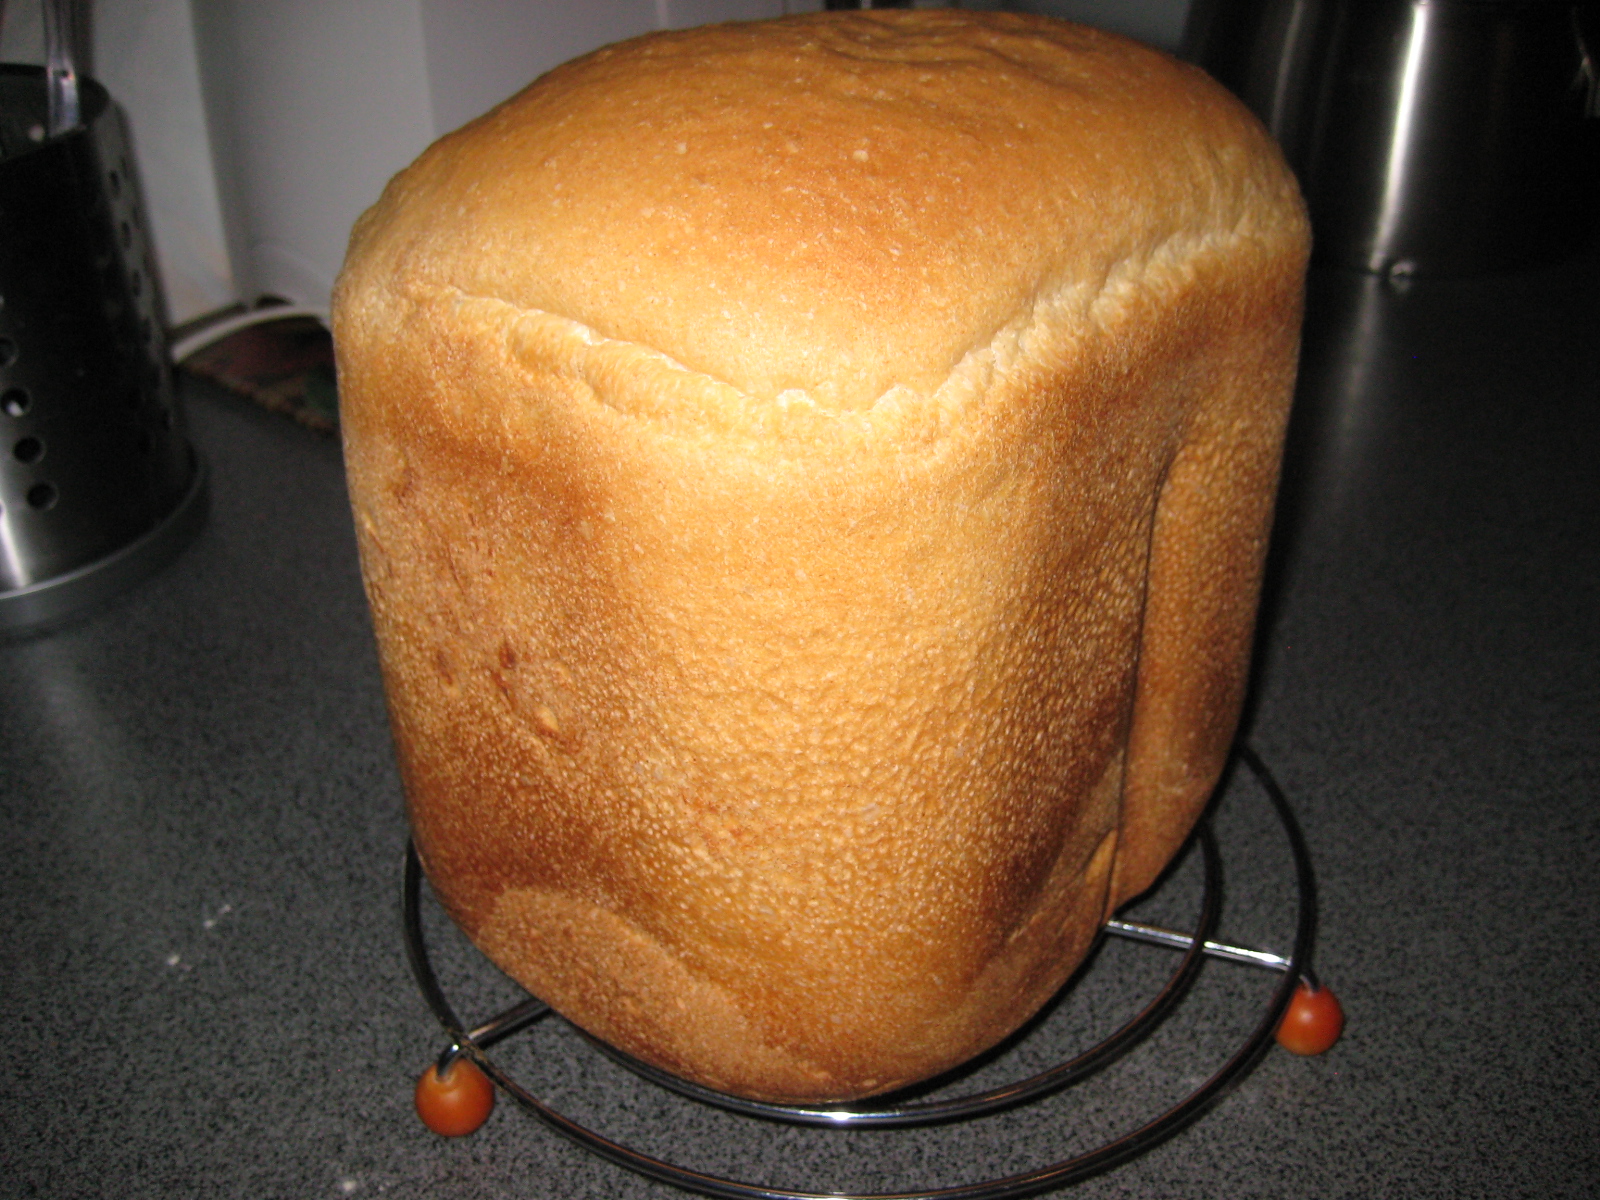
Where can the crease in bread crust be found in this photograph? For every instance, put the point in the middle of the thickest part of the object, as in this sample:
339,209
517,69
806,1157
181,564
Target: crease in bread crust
648,384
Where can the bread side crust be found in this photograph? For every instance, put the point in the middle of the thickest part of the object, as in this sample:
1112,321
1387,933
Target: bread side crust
805,741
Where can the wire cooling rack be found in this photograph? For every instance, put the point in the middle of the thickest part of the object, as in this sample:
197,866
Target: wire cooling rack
1196,944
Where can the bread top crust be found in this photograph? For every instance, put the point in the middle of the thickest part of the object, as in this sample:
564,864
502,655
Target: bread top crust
827,213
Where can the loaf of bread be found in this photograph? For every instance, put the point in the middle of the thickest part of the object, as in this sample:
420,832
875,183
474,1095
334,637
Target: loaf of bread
812,480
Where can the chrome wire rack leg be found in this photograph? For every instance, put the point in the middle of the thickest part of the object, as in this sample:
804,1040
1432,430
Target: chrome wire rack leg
1196,947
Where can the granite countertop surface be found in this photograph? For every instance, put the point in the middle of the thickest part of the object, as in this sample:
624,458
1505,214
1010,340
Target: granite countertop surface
202,978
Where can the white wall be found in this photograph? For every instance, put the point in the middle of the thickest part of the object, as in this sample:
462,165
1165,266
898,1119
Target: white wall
312,105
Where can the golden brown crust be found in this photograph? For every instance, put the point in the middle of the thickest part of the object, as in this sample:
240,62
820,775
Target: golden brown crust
759,438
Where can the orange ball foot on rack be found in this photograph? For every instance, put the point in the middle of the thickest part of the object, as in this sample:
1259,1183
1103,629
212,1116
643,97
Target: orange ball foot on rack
456,1101
1313,1021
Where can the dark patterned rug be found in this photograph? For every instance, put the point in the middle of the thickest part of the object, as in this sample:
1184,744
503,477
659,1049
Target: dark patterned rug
285,365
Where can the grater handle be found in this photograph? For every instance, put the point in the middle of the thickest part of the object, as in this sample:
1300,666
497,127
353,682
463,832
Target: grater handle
61,65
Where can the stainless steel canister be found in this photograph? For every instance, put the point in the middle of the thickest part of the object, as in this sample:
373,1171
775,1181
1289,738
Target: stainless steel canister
98,484
1431,137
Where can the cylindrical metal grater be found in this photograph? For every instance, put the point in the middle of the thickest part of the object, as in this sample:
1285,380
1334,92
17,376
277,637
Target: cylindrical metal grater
98,484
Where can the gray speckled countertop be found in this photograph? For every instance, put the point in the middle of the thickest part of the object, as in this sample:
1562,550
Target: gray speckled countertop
204,990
